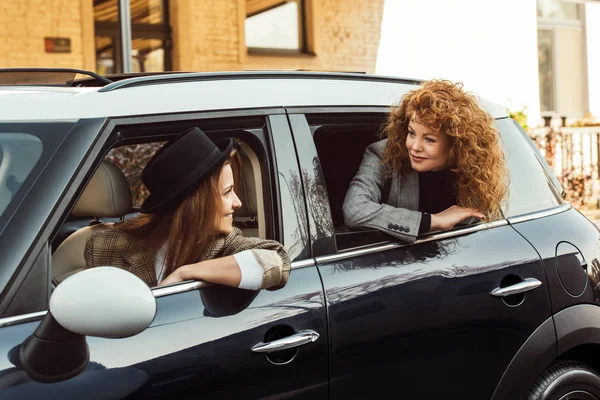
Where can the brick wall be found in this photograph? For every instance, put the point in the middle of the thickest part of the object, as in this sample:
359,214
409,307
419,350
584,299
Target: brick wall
208,35
345,36
25,23
349,34
205,35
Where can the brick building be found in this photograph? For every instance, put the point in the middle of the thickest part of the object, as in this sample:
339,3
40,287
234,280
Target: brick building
193,35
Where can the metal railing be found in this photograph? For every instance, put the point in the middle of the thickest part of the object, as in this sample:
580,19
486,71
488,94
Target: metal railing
573,154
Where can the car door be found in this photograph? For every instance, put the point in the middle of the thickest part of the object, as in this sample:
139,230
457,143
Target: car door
200,343
430,319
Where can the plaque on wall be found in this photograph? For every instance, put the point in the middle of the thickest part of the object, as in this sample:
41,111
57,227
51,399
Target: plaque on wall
57,45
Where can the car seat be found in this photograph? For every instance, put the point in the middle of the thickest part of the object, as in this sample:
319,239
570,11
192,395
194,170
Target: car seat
107,195
246,217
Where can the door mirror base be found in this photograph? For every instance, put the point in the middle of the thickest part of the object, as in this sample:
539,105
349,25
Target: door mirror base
52,353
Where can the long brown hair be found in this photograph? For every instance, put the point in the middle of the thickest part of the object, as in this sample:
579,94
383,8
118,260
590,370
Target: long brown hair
478,159
188,229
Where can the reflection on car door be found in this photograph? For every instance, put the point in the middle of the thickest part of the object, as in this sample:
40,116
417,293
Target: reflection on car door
419,319
198,346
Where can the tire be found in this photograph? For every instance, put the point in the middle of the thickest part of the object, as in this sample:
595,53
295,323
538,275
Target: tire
566,380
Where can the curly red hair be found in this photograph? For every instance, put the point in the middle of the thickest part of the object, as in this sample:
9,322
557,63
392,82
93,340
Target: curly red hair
476,154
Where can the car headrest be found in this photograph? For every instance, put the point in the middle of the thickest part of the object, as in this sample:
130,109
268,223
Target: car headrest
247,188
106,195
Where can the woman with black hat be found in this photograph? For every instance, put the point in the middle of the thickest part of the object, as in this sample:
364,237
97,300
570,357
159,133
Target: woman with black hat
185,230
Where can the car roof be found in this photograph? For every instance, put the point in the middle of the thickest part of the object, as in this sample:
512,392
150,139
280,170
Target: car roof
171,93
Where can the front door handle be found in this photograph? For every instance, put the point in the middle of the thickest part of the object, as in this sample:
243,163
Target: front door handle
297,339
524,286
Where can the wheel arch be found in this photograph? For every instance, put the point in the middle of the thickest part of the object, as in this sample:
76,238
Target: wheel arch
538,351
572,333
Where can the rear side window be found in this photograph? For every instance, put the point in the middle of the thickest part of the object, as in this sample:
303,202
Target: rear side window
531,188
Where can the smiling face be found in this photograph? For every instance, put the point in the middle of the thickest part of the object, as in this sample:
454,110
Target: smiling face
229,201
427,150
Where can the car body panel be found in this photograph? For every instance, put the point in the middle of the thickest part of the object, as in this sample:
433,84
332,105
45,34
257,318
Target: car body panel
545,235
534,356
400,318
198,344
322,235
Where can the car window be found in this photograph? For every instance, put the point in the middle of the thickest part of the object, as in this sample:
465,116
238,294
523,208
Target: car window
132,159
353,132
531,189
19,153
123,165
25,149
549,171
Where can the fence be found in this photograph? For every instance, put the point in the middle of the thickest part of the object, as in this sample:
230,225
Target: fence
573,154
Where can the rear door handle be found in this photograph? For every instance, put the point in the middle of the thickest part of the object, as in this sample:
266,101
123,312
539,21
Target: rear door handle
524,286
297,339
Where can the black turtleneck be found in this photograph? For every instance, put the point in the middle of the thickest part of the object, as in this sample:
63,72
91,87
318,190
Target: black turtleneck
437,192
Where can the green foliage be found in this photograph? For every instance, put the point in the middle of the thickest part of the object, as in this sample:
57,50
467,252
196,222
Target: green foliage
520,116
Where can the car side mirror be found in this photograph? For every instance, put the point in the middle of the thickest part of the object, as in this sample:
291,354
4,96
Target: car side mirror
104,301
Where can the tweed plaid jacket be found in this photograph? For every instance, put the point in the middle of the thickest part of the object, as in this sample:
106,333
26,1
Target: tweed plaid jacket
364,206
116,248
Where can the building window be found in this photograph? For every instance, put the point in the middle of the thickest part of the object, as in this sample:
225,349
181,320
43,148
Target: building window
275,25
557,10
561,58
150,32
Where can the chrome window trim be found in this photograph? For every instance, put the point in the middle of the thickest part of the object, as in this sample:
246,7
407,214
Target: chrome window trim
179,288
303,263
392,245
21,319
445,235
157,292
193,285
540,214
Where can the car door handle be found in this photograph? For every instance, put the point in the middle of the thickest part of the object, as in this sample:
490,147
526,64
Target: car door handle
524,286
298,339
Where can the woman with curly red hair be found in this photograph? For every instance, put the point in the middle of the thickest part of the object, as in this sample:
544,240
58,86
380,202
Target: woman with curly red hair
441,164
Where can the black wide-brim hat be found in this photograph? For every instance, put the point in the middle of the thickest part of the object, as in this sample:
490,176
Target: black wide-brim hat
179,167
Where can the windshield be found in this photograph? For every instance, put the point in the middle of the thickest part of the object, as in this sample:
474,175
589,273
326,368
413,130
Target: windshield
19,153
25,149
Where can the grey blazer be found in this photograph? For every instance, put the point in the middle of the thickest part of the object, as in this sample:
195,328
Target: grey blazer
364,207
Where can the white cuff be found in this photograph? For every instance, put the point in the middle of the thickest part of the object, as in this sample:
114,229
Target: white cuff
252,271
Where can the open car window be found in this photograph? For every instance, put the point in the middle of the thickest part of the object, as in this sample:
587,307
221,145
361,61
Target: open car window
115,192
356,131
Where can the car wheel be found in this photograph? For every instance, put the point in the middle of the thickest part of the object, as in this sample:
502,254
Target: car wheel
566,380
